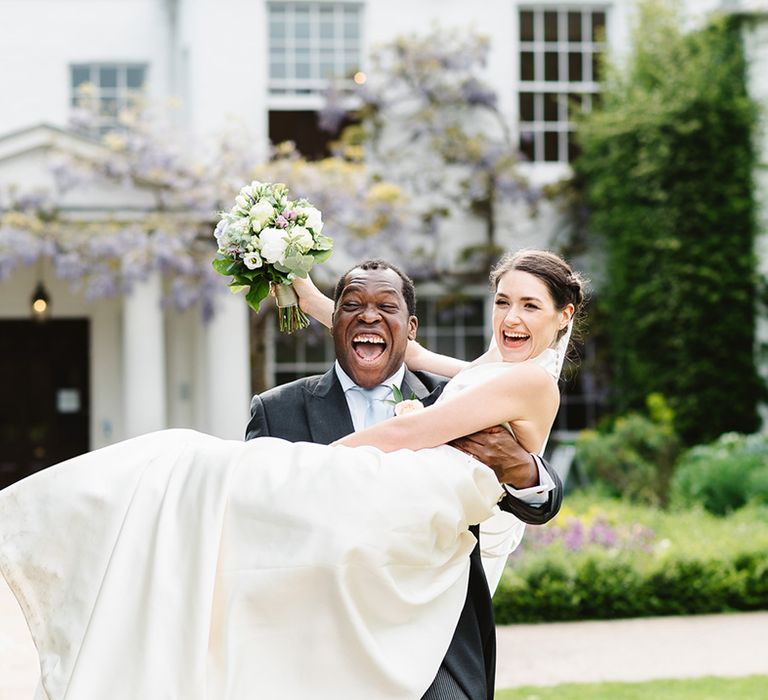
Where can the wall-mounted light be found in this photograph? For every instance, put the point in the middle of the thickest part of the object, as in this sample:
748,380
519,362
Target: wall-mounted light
41,302
360,78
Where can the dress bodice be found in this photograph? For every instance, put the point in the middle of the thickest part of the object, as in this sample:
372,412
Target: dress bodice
483,372
487,371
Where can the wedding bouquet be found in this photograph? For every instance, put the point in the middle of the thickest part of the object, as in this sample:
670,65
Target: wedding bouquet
265,241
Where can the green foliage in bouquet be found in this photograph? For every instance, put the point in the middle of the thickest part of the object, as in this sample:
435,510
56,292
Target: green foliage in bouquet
724,475
265,241
636,457
667,167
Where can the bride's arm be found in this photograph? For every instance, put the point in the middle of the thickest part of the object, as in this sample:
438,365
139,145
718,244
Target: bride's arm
525,395
312,301
419,359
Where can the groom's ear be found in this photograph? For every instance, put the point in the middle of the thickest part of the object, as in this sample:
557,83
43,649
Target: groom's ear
413,326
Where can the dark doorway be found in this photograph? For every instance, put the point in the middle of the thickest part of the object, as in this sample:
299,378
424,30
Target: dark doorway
44,395
303,129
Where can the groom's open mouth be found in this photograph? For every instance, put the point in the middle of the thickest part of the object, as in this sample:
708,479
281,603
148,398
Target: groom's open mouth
368,347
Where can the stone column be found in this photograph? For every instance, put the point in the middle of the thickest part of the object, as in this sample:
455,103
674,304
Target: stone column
228,368
144,389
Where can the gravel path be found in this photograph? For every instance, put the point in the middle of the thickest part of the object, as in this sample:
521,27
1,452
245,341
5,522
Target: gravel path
546,654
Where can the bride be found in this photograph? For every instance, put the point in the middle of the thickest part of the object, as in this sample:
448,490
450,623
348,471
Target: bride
178,565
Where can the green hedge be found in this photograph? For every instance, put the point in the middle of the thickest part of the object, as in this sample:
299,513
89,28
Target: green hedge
667,169
711,565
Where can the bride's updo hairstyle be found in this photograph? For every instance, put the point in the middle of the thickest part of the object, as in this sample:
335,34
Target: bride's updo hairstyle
565,286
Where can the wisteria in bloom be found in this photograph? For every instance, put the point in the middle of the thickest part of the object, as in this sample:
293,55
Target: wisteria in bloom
185,189
430,122
362,214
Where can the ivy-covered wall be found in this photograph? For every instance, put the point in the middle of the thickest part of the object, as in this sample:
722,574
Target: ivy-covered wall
667,167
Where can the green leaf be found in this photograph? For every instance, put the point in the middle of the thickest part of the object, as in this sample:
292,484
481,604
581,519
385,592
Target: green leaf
257,293
321,256
222,265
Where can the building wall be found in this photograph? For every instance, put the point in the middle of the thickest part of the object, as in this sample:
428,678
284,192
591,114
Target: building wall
39,39
213,56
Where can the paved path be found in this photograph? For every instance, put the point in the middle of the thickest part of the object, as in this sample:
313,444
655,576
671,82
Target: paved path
546,654
734,644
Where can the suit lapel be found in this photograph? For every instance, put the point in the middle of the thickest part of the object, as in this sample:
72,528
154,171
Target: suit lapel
412,384
327,410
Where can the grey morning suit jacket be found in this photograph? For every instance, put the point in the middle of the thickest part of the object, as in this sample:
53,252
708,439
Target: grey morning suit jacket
314,409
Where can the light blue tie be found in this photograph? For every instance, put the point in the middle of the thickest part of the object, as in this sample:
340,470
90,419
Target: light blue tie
379,406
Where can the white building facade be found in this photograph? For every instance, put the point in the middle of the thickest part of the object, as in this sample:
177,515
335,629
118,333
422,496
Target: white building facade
127,365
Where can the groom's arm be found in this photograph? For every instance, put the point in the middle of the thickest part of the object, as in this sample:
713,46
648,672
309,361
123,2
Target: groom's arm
534,490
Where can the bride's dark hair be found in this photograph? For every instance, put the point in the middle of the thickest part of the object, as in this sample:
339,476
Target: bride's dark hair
565,286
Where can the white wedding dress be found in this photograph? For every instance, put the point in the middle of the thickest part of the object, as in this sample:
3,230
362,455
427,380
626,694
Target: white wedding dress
181,566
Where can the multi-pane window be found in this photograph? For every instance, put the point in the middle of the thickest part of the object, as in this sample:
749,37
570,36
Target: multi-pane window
107,88
560,58
454,327
311,43
584,396
302,354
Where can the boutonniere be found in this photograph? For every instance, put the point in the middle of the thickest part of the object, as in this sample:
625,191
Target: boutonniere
402,405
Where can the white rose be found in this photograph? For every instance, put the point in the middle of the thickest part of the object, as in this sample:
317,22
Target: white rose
314,218
252,260
408,406
273,245
302,238
260,213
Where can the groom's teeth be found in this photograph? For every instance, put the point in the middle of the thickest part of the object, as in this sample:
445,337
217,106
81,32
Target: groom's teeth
365,338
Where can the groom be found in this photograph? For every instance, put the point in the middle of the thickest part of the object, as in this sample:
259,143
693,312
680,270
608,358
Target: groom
374,317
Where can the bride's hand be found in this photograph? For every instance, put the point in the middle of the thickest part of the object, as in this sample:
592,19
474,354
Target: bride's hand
312,301
307,291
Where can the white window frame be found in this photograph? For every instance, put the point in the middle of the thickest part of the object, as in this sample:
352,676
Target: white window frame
291,92
538,87
123,95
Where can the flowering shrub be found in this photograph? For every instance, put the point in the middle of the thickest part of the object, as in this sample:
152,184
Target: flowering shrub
607,559
636,457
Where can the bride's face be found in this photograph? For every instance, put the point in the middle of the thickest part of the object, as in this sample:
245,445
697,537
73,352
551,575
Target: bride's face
525,320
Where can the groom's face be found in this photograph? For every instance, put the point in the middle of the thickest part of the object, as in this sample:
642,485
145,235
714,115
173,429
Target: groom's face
371,326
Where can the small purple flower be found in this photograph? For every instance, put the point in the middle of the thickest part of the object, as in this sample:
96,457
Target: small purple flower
290,215
281,221
574,535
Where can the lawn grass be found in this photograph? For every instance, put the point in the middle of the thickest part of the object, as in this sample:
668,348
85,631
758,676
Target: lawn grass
709,688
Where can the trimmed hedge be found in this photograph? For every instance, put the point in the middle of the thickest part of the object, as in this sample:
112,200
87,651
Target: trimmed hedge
711,565
596,588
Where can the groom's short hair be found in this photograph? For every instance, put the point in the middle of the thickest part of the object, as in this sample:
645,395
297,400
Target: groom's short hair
409,291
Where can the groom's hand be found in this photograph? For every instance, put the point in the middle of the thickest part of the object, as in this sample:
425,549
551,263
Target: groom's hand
499,450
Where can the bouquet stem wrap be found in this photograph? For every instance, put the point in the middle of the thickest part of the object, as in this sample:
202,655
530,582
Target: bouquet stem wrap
292,318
